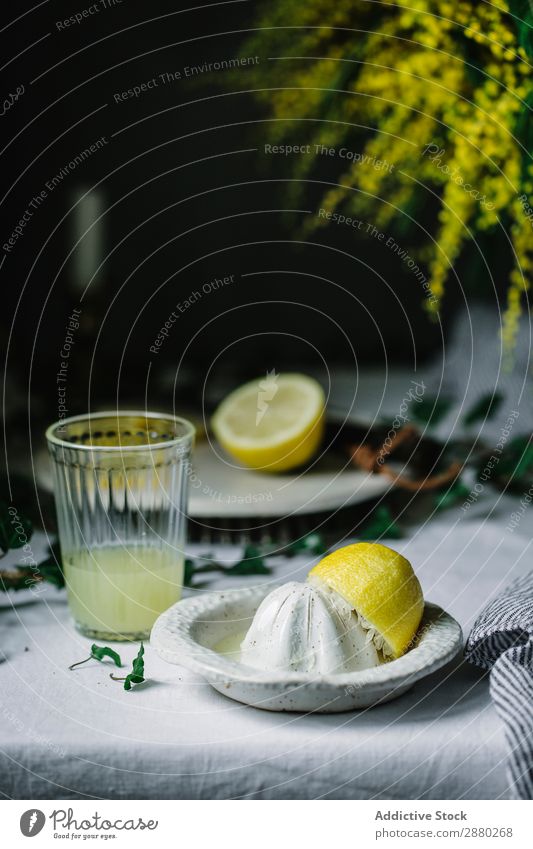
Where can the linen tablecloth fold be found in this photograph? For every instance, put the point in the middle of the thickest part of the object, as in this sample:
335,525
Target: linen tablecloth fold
502,642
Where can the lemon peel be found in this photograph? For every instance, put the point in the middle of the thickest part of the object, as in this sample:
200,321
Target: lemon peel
381,587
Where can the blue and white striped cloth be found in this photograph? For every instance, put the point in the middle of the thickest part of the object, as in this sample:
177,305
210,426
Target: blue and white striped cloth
502,642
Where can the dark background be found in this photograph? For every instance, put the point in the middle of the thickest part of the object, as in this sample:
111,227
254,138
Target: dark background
184,201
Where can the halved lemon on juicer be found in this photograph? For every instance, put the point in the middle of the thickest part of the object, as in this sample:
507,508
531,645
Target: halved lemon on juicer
381,588
275,423
360,606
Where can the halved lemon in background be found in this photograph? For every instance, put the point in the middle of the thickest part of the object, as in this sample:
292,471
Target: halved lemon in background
274,423
381,587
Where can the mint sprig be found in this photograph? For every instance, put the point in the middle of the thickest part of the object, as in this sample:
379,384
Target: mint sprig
430,411
310,544
251,563
136,676
381,525
483,409
15,530
99,653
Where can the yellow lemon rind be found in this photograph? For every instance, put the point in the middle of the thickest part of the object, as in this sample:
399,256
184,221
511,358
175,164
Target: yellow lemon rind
381,587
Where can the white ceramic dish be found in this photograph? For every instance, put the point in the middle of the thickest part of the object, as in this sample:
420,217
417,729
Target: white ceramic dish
218,487
202,634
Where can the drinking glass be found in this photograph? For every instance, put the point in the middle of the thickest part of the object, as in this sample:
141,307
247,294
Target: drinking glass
121,482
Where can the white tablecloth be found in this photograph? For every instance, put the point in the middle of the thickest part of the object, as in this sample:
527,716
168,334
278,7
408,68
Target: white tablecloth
75,734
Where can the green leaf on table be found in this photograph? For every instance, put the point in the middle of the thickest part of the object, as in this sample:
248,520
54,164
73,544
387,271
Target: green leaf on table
252,563
252,551
263,549
136,676
430,411
517,459
524,462
310,544
51,569
243,567
188,572
458,491
22,576
99,652
15,530
380,525
483,409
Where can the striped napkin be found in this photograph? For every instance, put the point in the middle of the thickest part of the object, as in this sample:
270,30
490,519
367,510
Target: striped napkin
502,641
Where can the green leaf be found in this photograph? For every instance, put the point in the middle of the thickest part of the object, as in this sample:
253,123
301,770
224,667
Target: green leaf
430,411
188,572
15,530
51,569
21,576
483,409
251,550
517,459
525,462
458,491
257,566
132,679
99,652
136,676
252,563
310,544
380,526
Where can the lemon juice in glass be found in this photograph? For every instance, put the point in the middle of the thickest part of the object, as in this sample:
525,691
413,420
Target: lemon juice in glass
121,484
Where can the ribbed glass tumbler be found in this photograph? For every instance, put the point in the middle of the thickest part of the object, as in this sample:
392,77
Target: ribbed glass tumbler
121,482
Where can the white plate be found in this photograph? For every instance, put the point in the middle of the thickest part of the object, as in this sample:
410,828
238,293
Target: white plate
218,487
197,633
